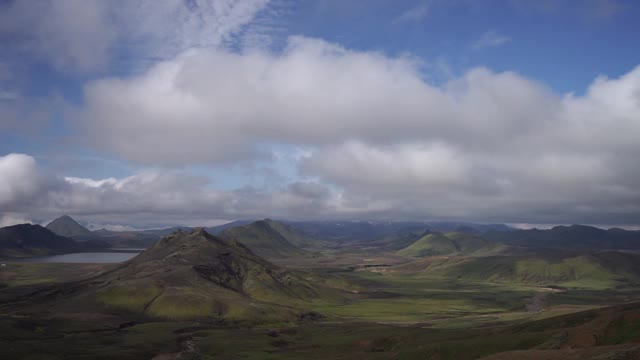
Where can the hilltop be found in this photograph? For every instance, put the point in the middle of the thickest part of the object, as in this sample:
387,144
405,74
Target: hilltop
269,239
67,226
455,243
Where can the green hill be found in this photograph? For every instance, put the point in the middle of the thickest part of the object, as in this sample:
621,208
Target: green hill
192,275
268,238
66,226
599,270
291,235
430,245
456,243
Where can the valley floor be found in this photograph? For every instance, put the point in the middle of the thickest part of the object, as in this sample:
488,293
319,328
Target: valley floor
383,315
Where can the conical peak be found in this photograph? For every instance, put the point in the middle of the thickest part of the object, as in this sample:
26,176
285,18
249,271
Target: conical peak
200,231
64,219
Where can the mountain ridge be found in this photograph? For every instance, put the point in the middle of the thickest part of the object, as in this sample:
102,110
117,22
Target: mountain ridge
27,240
268,238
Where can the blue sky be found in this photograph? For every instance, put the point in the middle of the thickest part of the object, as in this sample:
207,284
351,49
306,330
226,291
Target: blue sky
432,109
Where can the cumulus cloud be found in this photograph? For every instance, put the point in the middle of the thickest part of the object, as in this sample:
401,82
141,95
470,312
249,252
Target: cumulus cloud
495,144
217,106
408,168
223,103
20,180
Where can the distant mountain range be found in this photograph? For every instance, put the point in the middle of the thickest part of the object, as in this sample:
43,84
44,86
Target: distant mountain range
277,239
267,238
26,240
571,237
67,226
367,231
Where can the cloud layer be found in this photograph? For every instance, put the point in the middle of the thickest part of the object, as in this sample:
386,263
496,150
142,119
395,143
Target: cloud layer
496,144
383,143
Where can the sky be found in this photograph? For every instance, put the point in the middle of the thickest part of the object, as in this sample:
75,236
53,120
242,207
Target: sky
144,113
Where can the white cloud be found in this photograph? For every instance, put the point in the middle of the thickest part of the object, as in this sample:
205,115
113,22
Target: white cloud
216,106
146,199
410,168
20,180
496,144
489,39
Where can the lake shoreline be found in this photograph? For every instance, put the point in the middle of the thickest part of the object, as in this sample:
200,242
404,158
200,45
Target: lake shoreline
102,257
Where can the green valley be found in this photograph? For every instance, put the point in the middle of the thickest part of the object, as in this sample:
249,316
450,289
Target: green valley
442,295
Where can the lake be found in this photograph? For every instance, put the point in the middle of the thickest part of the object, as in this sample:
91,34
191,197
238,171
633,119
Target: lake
86,257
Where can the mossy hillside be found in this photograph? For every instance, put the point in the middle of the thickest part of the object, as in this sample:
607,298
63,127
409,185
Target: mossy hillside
454,243
291,235
196,275
474,244
430,245
593,271
268,239
130,296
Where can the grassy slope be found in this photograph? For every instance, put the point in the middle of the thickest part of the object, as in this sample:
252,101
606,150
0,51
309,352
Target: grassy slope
430,244
601,332
267,238
436,244
292,236
597,271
